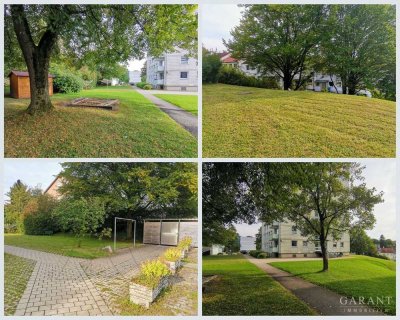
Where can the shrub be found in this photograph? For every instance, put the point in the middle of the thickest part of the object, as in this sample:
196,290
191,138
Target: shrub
185,242
147,87
151,273
262,255
172,254
234,76
255,253
106,233
89,77
140,84
211,65
38,216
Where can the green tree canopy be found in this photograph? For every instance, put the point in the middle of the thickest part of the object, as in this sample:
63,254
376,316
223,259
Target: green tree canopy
211,65
359,44
360,243
278,40
92,34
135,190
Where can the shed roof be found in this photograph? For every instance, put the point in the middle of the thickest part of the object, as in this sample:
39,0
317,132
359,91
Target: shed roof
24,74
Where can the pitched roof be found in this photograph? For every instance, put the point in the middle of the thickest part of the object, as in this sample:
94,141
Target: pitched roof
387,250
229,60
51,184
24,74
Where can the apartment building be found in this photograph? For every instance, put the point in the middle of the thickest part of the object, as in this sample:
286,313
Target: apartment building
284,240
318,81
175,71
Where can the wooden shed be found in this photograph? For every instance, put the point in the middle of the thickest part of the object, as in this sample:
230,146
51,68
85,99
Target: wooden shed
19,84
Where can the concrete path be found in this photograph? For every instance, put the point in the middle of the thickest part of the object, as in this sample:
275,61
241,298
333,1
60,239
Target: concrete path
324,301
184,118
62,285
184,282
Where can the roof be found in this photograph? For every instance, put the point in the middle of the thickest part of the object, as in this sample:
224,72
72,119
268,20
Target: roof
24,74
222,54
229,60
54,181
387,250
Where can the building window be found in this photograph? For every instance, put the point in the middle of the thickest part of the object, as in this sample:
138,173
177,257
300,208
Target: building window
184,60
247,67
305,243
342,244
334,244
184,75
305,255
294,230
294,243
275,231
294,256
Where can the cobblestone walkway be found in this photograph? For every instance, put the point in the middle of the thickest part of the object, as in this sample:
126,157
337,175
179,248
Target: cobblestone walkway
62,285
111,275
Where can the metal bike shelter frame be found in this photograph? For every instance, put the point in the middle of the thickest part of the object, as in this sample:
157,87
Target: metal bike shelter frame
115,231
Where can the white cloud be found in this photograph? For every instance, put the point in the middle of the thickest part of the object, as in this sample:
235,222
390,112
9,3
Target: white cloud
217,21
135,64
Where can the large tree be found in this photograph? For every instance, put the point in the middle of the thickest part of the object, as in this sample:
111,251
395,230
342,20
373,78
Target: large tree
359,45
135,190
278,39
211,65
93,33
323,199
360,243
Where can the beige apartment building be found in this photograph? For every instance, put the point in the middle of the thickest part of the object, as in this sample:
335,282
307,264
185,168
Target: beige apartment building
284,240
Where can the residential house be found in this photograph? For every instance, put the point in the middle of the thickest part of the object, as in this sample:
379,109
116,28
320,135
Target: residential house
247,243
53,188
388,252
318,82
175,71
284,240
228,60
134,76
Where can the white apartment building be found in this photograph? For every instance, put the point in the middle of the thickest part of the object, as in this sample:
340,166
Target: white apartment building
318,82
284,240
247,243
173,71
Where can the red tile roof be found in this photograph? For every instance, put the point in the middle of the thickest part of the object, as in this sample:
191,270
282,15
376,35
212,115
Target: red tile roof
24,74
387,250
229,60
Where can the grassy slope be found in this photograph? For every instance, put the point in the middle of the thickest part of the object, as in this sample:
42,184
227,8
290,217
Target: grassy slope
17,272
252,122
138,129
243,289
63,244
186,102
353,277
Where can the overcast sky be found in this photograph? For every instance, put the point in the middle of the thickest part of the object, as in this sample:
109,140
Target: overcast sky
380,174
217,22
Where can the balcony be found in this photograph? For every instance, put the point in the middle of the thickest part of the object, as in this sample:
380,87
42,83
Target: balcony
275,249
160,68
275,235
317,249
159,81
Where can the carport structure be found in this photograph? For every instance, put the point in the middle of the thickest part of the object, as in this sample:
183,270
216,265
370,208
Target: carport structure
169,231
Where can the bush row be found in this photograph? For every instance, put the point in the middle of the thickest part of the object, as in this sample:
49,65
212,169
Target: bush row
234,76
259,254
144,85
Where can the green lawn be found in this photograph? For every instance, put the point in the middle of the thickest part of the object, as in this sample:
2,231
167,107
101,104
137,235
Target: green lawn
64,244
137,129
243,289
17,272
252,122
358,276
186,102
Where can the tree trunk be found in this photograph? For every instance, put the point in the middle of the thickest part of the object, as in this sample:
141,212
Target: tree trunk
37,59
324,252
287,81
39,84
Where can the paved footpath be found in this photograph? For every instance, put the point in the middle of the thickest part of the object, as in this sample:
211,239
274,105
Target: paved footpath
62,285
187,120
324,301
185,281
